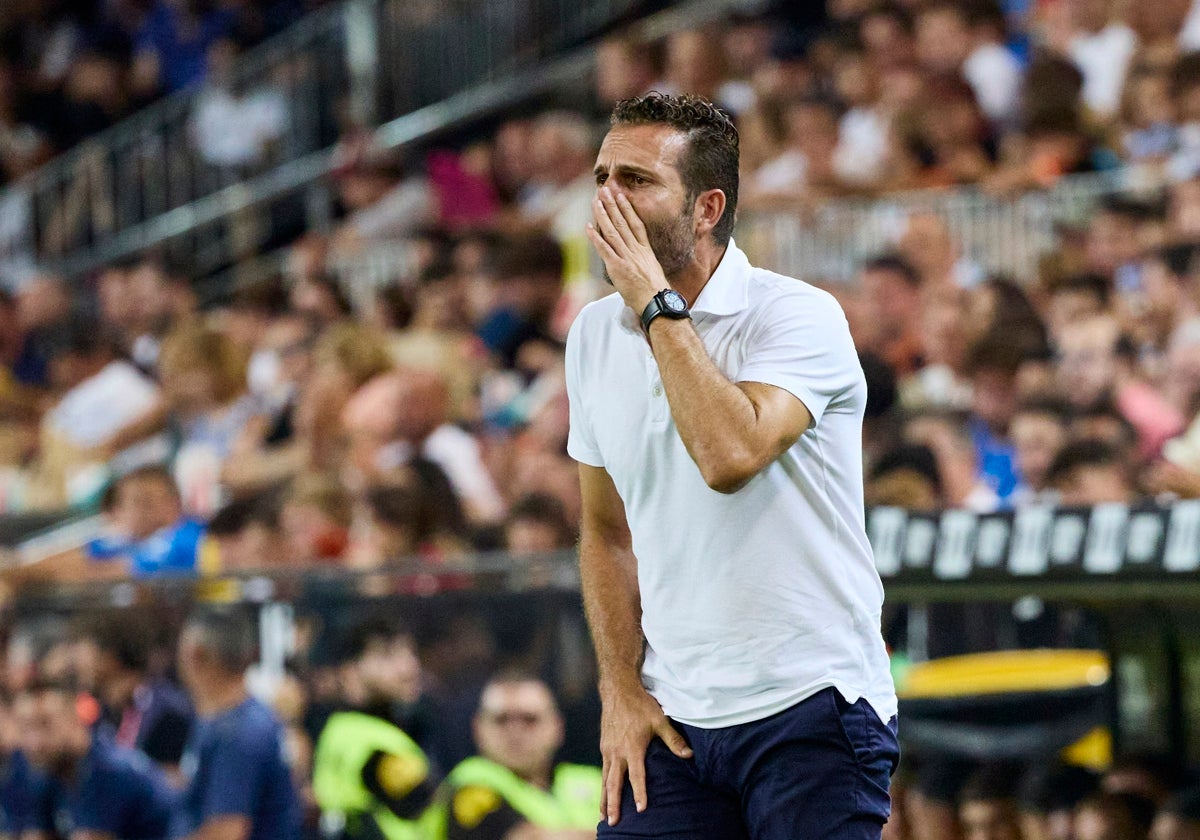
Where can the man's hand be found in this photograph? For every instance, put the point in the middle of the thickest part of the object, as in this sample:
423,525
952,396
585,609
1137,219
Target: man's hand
630,720
620,239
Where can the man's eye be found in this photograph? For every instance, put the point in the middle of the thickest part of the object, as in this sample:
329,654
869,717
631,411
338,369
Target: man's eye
600,179
639,180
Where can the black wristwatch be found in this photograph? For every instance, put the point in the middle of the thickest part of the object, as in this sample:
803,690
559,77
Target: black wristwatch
668,303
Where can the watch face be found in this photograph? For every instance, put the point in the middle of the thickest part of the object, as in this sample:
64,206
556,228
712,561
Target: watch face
674,301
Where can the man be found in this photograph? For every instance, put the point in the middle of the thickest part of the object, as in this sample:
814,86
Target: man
512,790
93,789
147,534
143,712
238,785
987,806
1090,472
891,294
367,770
726,573
99,393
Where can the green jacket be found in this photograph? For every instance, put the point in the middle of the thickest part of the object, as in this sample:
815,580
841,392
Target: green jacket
359,760
573,800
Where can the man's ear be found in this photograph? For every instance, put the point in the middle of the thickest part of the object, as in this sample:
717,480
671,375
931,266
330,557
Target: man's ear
708,210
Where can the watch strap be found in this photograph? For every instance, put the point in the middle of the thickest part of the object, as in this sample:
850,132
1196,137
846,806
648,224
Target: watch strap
656,307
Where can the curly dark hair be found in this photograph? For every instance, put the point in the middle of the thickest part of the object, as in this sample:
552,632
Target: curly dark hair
711,158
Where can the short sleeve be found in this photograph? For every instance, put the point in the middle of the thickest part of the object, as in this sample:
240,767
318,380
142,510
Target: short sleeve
800,342
581,443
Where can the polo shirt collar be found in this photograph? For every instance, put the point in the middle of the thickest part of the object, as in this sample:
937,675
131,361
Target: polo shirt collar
725,293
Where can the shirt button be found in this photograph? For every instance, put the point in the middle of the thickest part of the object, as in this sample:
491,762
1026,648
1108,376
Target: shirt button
657,390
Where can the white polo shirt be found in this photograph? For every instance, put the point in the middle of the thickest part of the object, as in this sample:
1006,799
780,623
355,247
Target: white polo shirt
754,600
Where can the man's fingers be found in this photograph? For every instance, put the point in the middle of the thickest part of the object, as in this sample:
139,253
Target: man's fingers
608,200
633,220
601,244
613,782
604,789
606,227
673,739
637,780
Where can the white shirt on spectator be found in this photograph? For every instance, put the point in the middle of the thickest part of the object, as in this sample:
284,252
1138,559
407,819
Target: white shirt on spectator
405,207
1103,57
1189,34
754,600
994,74
235,130
784,173
98,407
459,455
862,146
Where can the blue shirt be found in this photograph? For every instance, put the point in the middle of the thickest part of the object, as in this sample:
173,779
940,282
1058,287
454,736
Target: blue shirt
235,765
171,551
116,791
997,461
20,786
182,61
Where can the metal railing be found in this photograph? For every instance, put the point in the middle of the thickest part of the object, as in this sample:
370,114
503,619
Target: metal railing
998,234
367,61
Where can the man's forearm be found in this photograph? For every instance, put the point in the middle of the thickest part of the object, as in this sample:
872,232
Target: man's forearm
714,417
613,606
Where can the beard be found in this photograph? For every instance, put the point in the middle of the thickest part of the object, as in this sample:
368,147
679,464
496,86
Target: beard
672,240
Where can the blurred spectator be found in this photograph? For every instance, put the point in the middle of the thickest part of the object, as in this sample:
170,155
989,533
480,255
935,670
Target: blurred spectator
140,710
380,198
1178,819
1048,797
92,787
315,519
906,477
891,290
538,524
1039,432
528,285
248,536
238,784
624,69
1088,472
173,44
948,437
403,414
988,807
99,395
514,783
368,770
1114,816
147,533
236,124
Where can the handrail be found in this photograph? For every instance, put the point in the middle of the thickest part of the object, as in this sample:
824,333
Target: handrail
420,125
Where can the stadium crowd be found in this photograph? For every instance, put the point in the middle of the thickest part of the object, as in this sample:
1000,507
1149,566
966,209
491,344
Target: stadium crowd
309,421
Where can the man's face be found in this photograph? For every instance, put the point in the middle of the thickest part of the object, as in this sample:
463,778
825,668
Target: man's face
892,304
1038,439
641,162
145,505
390,668
46,719
988,820
1095,484
1087,364
518,726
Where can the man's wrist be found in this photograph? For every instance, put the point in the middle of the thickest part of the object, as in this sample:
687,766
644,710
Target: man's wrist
639,304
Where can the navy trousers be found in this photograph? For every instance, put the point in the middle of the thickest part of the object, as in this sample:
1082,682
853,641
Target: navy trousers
817,771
